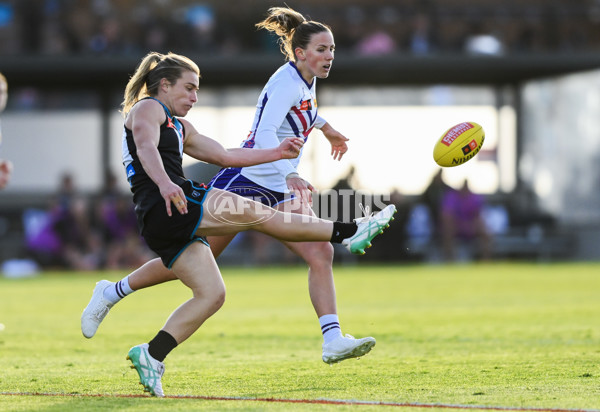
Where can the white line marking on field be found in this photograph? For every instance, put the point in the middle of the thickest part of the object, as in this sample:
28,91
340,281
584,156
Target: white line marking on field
311,401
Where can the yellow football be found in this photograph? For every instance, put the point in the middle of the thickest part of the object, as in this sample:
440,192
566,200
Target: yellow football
458,144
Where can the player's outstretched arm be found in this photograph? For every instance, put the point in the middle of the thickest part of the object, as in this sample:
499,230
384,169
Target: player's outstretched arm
209,150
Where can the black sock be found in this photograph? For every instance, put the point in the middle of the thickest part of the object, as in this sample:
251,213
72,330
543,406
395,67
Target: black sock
342,231
161,345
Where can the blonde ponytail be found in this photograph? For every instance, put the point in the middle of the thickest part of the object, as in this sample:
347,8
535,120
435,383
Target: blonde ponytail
136,86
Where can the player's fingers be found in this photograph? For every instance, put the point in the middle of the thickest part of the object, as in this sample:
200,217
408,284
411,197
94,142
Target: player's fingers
297,194
309,197
305,195
168,205
180,203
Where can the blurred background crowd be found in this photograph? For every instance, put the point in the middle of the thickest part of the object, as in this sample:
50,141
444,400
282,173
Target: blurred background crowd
54,221
366,27
82,231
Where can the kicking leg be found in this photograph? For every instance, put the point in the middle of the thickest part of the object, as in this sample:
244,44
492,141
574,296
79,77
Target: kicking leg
227,213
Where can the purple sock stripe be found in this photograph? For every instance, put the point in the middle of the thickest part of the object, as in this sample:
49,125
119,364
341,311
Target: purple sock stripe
119,289
333,327
327,325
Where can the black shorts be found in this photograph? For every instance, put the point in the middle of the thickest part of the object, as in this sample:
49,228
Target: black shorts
168,236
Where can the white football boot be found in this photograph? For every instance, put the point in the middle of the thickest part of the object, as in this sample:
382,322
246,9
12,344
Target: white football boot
346,347
149,369
95,312
369,226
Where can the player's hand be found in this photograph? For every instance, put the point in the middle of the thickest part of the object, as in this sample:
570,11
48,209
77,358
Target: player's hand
290,147
5,172
337,141
173,193
300,188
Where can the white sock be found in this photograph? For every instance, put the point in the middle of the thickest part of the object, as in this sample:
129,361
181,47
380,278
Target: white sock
330,327
118,291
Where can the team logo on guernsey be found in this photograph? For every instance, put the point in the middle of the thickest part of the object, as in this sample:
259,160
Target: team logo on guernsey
306,105
174,126
249,142
170,123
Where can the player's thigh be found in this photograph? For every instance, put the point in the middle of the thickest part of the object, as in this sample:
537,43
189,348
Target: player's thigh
226,213
310,252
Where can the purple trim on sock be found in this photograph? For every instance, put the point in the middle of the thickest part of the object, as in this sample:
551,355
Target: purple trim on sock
119,289
332,325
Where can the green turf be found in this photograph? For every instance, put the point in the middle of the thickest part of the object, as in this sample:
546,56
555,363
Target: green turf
510,335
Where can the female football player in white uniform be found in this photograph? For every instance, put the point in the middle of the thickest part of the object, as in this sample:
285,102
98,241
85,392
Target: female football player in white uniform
287,107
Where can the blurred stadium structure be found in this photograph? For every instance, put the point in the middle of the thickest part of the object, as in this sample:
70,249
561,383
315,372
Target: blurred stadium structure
405,70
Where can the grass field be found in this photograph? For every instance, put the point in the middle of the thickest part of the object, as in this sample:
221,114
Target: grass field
497,335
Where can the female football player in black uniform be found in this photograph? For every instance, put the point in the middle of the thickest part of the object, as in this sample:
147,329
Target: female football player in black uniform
161,92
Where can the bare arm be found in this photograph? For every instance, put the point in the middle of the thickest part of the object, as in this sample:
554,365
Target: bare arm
208,150
144,120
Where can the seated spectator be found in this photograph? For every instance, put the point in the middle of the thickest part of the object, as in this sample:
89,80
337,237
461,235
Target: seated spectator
463,225
61,236
116,222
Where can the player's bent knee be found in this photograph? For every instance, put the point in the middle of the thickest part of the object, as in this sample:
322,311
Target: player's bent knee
213,298
219,299
320,253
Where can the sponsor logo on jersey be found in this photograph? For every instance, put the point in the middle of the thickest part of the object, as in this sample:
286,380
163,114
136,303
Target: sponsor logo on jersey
130,171
456,131
306,105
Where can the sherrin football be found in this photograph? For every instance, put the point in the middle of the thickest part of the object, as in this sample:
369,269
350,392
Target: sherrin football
458,144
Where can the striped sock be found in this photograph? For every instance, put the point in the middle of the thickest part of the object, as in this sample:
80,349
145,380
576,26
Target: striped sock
330,327
118,291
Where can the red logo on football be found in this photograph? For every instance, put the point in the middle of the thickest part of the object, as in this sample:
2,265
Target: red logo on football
456,131
470,147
